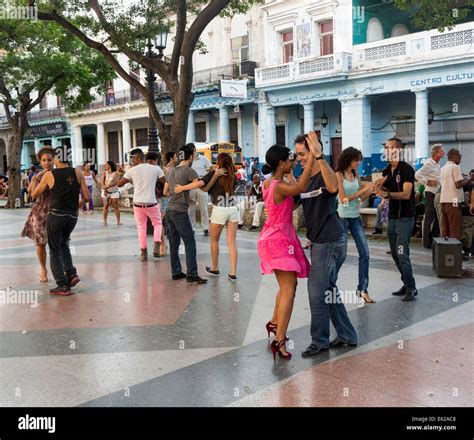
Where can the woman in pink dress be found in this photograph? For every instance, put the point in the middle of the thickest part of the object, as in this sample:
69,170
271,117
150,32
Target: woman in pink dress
35,226
279,247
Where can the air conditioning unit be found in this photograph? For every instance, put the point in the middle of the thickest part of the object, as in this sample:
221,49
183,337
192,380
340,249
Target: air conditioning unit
247,68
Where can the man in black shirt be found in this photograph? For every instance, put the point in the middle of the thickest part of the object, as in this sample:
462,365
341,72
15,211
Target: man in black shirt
328,252
398,186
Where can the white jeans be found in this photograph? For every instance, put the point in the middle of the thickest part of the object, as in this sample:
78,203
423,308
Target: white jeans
256,217
196,196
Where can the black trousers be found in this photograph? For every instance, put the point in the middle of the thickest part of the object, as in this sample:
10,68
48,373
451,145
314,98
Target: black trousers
60,226
430,220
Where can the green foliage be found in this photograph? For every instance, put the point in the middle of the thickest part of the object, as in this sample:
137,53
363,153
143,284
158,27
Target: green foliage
436,14
41,56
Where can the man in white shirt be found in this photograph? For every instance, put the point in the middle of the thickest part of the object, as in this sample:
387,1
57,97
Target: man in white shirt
452,195
143,176
201,165
430,176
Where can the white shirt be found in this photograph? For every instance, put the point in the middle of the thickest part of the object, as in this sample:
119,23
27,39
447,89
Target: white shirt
201,165
144,177
450,174
431,170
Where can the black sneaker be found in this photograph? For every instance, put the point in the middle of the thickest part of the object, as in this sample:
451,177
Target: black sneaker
73,280
206,233
240,226
252,228
377,231
196,279
212,272
232,277
180,276
61,291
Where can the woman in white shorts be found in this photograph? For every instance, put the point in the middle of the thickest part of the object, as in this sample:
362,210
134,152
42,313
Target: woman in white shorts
220,184
110,192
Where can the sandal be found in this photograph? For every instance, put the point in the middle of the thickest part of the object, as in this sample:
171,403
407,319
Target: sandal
43,277
367,301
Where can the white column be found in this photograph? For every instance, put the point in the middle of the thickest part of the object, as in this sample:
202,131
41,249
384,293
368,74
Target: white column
224,125
421,125
308,117
271,127
191,133
127,141
134,138
100,145
357,125
37,144
262,131
77,155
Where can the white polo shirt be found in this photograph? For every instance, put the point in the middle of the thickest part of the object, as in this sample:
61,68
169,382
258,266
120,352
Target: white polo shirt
201,165
450,174
144,177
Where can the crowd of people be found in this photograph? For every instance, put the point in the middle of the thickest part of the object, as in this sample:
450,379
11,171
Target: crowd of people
165,197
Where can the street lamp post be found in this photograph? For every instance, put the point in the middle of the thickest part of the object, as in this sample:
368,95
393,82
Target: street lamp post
160,44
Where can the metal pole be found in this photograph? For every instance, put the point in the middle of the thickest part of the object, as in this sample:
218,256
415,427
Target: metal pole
150,76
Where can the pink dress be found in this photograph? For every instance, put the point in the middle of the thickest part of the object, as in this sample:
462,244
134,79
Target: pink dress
278,245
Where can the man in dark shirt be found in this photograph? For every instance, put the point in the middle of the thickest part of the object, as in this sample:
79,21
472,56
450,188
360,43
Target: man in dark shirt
398,186
328,252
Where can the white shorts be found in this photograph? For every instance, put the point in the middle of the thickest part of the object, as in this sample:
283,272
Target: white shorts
107,195
223,214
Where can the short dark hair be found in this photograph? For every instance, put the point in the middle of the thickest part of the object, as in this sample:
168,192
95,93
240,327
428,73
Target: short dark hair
186,152
152,155
191,145
169,155
274,155
138,152
453,152
400,143
62,153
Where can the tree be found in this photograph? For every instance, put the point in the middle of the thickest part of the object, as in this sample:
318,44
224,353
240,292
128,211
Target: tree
117,26
40,58
436,14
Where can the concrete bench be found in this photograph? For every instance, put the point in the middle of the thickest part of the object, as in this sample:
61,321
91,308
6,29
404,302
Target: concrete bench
368,216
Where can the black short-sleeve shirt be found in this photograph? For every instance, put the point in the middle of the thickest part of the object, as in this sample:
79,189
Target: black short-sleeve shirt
394,183
320,212
217,191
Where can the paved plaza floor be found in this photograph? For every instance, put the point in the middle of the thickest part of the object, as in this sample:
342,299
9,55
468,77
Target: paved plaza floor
130,336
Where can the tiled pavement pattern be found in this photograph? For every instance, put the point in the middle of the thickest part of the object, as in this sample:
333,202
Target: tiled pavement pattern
132,337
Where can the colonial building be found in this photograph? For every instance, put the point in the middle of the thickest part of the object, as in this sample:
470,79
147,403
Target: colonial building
359,73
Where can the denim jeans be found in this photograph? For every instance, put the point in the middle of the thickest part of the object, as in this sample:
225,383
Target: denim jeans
326,260
60,225
356,227
179,227
399,234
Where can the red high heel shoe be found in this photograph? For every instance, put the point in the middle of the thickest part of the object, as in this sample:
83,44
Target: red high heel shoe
276,346
271,328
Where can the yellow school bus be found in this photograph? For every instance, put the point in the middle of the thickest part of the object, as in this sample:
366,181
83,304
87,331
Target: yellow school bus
212,150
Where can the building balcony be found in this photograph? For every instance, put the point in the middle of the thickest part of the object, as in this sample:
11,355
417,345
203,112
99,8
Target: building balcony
421,47
301,70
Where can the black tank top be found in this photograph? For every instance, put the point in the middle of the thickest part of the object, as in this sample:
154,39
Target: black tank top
65,192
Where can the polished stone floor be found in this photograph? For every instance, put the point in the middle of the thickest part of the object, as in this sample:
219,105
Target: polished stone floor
130,336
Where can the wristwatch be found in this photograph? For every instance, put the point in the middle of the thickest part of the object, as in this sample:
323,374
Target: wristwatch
322,157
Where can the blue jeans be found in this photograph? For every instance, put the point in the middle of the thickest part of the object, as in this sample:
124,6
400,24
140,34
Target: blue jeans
356,227
326,260
399,234
179,228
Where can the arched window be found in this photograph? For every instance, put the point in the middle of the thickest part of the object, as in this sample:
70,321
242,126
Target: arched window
374,30
399,30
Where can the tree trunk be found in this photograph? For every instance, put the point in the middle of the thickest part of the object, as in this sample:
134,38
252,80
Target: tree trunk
14,170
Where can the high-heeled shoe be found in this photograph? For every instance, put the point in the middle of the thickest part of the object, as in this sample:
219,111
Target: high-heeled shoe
271,328
276,348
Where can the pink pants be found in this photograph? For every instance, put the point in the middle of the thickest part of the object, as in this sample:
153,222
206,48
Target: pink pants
141,216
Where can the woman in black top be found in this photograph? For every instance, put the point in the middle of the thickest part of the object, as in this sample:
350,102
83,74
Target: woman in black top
220,184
